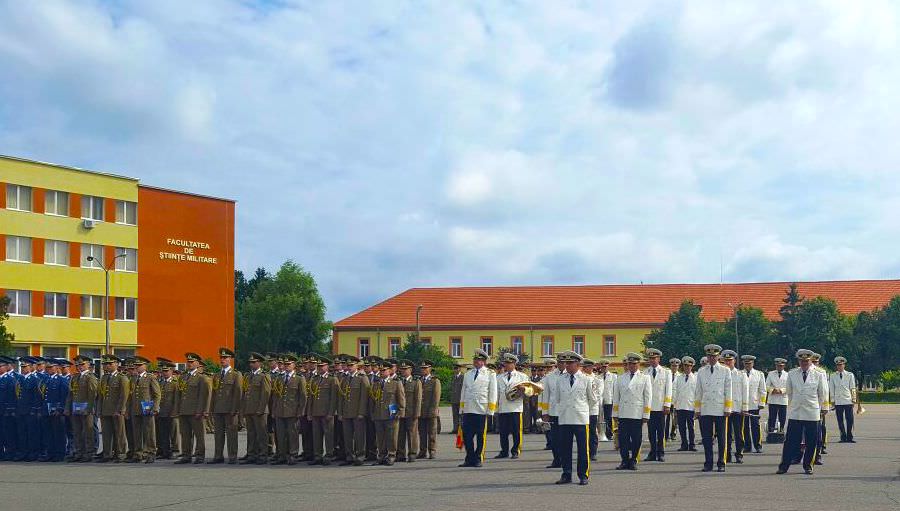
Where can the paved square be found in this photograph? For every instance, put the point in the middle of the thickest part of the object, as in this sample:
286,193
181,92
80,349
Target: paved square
855,476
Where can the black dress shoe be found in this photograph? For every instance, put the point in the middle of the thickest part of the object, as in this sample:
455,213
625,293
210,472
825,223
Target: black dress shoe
357,463
720,469
693,449
707,468
477,464
466,464
564,480
758,451
852,441
781,470
247,461
661,459
808,470
199,461
514,456
326,462
650,458
739,461
277,462
389,462
553,465
501,456
182,461
582,482
232,461
817,462
681,449
215,461
314,462
622,466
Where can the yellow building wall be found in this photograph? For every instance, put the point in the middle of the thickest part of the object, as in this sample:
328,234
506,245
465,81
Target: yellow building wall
64,228
66,279
64,331
51,177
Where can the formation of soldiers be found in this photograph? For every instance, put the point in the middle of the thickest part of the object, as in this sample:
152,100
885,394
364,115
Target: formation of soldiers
316,410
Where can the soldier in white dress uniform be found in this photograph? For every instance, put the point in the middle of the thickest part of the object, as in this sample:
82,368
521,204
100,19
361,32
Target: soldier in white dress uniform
609,382
737,421
509,412
574,398
807,394
712,405
823,433
597,386
756,389
842,391
660,405
550,414
776,385
478,400
632,395
685,387
671,419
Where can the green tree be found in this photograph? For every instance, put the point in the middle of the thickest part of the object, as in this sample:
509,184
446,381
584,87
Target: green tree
6,337
524,358
243,288
684,332
821,327
284,313
788,329
890,379
756,333
416,352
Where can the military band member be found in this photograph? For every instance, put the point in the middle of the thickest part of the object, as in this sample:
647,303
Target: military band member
509,412
713,405
80,405
587,367
534,410
257,391
550,415
353,406
609,383
56,391
671,419
842,392
227,389
388,406
322,406
194,401
737,421
807,394
430,414
167,413
574,398
823,433
661,404
685,388
274,370
144,406
455,393
408,443
776,385
478,401
8,380
756,391
632,400
288,404
112,402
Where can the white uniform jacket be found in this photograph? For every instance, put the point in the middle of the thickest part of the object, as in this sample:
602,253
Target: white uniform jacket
777,381
683,391
479,392
662,388
546,402
505,382
713,394
756,389
609,381
598,388
574,397
806,398
632,396
740,390
842,388
824,375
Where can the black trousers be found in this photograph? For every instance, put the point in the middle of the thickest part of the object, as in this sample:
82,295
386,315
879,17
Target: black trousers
630,438
799,431
593,435
555,440
713,425
752,434
845,413
777,412
686,428
164,436
607,417
737,425
580,433
56,450
474,429
656,434
510,424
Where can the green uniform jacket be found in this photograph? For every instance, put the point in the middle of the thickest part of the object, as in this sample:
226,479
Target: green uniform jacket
431,397
113,394
323,395
168,391
413,390
83,388
354,400
257,389
385,394
195,394
456,388
226,397
144,388
290,401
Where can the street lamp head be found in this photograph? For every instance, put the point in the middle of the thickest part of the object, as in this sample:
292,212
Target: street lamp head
90,258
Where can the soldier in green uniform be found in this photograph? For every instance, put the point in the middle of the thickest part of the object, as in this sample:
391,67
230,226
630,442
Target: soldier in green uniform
80,406
353,407
113,400
408,443
456,393
272,359
167,415
226,405
430,414
371,368
289,403
193,406
144,406
389,403
322,406
256,392
306,435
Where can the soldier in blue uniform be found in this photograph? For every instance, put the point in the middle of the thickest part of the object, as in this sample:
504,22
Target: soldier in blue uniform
39,409
7,409
26,439
57,391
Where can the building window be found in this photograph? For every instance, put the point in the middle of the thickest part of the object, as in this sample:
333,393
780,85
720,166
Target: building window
128,262
362,347
578,344
56,203
94,251
425,340
56,252
93,353
547,346
54,352
91,307
20,302
487,345
126,212
56,305
609,345
19,351
124,352
517,343
18,249
393,345
18,197
456,347
92,207
126,309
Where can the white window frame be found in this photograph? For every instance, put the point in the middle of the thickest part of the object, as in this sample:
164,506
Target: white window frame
17,297
64,348
95,264
363,341
122,262
575,347
518,347
456,347
123,303
91,298
19,241
56,194
393,346
89,200
124,204
607,339
55,312
17,191
51,246
487,347
545,352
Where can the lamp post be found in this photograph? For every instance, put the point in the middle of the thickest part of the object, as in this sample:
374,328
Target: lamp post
737,340
106,311
418,325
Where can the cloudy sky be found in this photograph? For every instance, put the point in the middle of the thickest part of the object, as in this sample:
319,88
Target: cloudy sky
486,143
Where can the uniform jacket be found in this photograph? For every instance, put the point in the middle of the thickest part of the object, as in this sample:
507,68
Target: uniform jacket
505,382
841,388
384,394
413,389
431,396
574,396
713,394
39,399
806,399
83,388
456,388
756,389
740,390
479,392
257,388
662,388
546,401
168,388
28,394
144,388
8,383
598,387
685,387
113,394
824,375
57,392
195,394
777,381
632,396
322,398
227,391
290,398
354,400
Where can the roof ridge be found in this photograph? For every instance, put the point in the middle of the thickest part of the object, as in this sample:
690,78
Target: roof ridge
658,284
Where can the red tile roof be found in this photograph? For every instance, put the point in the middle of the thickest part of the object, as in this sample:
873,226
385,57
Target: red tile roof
607,305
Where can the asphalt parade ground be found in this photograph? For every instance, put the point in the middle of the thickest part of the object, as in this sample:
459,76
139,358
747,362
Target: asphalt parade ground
865,475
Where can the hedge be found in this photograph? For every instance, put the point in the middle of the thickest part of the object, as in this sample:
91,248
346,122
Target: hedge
880,397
